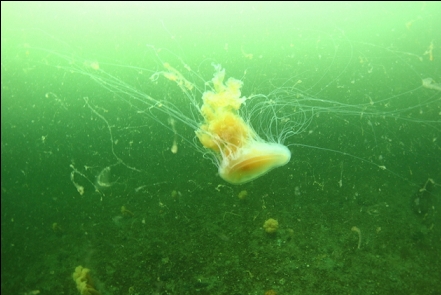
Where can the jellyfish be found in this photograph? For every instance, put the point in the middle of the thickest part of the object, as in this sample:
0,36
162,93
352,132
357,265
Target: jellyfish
242,155
239,152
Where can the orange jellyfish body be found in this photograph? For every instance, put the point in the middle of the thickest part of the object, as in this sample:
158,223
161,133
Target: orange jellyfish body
243,155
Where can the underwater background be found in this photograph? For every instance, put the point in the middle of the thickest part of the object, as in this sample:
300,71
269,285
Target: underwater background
88,178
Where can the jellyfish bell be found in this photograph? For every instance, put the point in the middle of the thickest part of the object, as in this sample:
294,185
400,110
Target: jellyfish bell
253,161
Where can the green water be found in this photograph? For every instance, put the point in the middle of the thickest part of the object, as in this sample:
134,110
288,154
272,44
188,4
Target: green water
78,99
